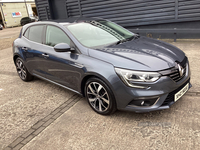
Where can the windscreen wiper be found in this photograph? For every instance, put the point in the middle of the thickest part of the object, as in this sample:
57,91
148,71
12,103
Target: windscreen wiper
108,29
136,36
121,41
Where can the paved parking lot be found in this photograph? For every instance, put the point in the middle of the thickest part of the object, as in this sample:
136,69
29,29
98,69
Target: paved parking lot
7,36
67,122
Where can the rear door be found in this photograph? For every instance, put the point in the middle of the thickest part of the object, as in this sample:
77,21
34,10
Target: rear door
34,50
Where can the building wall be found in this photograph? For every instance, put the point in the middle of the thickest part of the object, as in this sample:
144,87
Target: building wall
126,13
132,14
9,8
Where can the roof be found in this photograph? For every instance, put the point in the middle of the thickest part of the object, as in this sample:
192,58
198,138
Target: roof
76,19
63,22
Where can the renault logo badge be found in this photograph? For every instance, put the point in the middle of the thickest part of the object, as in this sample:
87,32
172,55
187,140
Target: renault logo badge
181,70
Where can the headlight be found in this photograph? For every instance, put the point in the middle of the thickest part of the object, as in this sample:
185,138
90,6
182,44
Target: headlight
129,77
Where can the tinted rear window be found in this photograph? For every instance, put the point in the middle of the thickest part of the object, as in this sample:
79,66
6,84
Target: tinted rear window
35,33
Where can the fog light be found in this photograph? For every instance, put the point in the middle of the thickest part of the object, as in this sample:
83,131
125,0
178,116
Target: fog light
144,101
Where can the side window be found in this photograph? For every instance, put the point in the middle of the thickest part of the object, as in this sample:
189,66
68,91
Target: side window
26,33
55,36
35,33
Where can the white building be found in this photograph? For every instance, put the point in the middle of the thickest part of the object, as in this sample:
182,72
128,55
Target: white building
11,11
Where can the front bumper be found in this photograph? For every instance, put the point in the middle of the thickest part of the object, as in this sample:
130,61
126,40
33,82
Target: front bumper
168,101
164,89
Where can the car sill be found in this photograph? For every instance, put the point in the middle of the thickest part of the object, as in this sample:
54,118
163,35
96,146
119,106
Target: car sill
57,84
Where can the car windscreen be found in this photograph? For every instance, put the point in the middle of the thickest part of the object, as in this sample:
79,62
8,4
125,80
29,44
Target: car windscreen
98,33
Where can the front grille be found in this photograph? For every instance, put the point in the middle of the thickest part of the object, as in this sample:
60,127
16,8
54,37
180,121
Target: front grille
174,72
175,76
170,97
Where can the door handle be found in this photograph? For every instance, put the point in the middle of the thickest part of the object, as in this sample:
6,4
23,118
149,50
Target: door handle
45,55
25,48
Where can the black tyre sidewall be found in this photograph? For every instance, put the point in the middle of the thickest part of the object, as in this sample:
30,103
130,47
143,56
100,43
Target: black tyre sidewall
112,103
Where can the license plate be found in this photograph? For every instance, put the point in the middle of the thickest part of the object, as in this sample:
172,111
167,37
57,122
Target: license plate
178,95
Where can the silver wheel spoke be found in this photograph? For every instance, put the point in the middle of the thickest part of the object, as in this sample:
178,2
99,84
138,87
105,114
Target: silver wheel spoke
104,94
20,64
95,87
91,93
102,104
92,99
99,88
100,108
20,75
105,100
95,104
23,76
24,72
91,89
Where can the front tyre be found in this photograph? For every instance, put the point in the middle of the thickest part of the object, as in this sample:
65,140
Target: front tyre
100,96
22,71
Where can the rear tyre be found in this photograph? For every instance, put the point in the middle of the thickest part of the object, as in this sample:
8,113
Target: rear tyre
100,97
22,71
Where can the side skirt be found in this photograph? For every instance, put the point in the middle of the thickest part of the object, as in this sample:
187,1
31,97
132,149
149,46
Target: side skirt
57,84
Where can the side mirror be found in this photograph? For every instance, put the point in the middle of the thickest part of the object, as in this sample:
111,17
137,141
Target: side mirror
62,47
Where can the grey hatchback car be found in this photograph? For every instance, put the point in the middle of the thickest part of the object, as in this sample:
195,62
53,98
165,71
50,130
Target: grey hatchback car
109,65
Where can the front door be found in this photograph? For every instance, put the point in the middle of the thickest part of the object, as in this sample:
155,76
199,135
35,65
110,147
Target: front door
61,67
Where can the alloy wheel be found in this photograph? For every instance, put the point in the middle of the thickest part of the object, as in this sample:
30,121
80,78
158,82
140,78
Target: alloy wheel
98,96
21,69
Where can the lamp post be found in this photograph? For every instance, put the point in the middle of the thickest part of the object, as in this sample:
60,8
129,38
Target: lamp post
26,8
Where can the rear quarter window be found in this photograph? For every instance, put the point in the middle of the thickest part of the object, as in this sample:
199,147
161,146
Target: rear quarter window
26,33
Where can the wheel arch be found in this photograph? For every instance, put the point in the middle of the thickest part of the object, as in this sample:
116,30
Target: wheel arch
88,76
15,57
